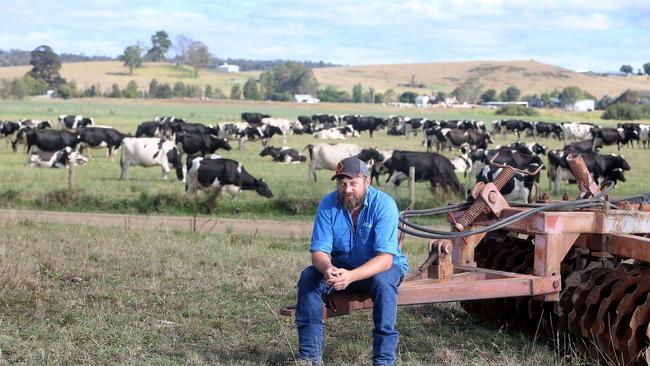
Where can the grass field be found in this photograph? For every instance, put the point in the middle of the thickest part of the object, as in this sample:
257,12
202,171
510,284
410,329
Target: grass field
80,295
98,187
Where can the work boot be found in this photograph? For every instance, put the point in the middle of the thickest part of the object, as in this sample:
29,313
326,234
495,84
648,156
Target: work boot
297,361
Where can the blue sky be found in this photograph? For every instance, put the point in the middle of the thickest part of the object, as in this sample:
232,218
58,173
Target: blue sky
577,34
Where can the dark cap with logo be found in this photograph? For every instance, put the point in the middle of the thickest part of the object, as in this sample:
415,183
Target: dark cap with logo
351,167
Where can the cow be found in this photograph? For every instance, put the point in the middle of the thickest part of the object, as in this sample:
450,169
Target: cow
55,159
512,126
215,175
180,126
375,160
7,129
148,152
462,163
326,156
584,146
505,155
153,129
254,119
49,140
283,154
474,138
285,126
431,167
575,131
644,135
193,144
601,167
74,121
546,130
325,119
35,124
336,133
610,136
521,187
365,123
96,137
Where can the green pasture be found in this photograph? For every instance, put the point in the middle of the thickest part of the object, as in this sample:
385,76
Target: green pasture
98,187
79,295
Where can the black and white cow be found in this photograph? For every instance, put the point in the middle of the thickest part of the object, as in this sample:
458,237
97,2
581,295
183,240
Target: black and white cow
98,137
74,121
216,175
476,139
283,154
254,119
584,146
611,136
148,152
50,140
601,167
194,144
432,167
519,160
55,159
577,131
153,129
511,126
375,160
365,123
336,133
7,129
181,126
326,156
521,187
546,130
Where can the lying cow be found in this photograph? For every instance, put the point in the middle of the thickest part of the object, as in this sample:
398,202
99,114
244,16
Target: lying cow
7,129
216,175
148,152
283,154
337,133
326,156
56,159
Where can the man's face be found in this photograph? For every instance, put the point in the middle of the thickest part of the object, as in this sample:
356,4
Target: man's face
352,191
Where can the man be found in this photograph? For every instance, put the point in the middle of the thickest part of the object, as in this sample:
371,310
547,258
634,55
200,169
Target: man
353,247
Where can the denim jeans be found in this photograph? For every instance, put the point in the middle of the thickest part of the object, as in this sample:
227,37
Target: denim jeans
309,312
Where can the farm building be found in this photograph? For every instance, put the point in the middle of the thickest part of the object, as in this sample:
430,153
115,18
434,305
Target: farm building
421,101
228,68
305,98
501,104
584,105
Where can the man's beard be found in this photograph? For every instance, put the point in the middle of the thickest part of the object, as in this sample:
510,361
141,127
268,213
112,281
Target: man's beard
351,201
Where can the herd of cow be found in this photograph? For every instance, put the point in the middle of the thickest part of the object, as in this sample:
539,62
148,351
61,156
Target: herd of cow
190,149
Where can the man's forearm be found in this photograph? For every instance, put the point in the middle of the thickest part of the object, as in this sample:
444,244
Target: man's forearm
321,261
379,263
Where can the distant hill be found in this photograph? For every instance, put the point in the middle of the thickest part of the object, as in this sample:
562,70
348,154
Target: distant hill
531,77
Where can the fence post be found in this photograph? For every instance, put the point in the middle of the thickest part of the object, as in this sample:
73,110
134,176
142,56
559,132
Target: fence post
70,177
196,202
411,185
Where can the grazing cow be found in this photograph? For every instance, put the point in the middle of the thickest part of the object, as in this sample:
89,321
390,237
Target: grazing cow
7,129
154,129
584,146
325,119
55,159
481,157
96,137
148,152
215,175
431,167
511,126
254,119
369,124
375,160
326,156
193,144
462,163
601,167
521,187
285,126
179,126
337,133
474,138
610,136
574,131
283,154
74,121
546,130
50,140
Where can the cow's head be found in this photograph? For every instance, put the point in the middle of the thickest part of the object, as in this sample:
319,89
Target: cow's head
262,188
370,154
267,151
174,159
616,175
222,143
622,163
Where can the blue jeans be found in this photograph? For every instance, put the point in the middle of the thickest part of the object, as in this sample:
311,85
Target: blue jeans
309,313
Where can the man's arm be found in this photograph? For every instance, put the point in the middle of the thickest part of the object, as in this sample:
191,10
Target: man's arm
343,278
323,264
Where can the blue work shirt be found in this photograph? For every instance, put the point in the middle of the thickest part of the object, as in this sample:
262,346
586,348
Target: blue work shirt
376,232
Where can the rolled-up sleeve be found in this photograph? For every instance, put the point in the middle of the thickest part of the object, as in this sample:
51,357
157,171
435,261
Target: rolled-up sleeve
322,235
386,229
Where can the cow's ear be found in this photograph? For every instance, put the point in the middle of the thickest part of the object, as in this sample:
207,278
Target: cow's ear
262,180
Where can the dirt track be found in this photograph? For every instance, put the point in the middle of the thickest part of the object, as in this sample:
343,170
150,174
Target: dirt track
155,222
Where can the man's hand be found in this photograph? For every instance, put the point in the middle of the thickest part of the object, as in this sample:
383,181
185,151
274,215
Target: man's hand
341,279
330,273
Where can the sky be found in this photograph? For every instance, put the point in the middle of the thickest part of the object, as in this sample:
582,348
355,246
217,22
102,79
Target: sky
576,34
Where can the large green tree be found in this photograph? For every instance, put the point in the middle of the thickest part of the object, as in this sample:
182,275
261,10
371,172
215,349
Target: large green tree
198,56
570,95
285,80
627,69
469,91
646,68
160,44
132,58
490,95
251,91
46,65
511,94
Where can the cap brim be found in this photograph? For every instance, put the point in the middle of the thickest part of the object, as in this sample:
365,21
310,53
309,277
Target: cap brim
341,174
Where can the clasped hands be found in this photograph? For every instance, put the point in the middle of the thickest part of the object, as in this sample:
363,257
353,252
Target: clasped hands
338,278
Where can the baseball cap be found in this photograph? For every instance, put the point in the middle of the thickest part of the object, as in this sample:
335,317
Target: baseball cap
351,167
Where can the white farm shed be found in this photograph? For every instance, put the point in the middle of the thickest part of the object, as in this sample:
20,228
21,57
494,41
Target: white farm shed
585,105
421,101
228,68
305,98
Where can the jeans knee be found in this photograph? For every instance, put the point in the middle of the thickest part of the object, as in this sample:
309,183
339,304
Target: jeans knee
385,280
309,277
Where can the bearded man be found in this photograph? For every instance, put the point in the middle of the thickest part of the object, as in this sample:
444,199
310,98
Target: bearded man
353,247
